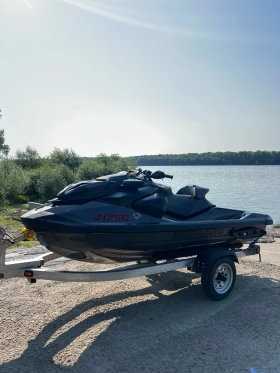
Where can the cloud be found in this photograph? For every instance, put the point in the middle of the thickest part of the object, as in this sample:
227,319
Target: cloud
132,18
119,15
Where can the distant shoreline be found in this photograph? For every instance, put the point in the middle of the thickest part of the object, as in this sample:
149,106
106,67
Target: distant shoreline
244,158
203,165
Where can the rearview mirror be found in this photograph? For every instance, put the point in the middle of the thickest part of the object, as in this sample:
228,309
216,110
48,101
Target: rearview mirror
158,175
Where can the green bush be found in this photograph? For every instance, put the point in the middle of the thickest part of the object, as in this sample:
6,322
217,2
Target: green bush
4,148
18,199
67,157
112,163
13,180
30,182
32,185
67,174
45,182
28,158
88,170
102,165
51,180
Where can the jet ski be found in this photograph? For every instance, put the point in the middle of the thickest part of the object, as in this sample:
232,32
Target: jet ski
128,217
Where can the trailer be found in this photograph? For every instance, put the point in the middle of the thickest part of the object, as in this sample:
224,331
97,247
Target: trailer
216,266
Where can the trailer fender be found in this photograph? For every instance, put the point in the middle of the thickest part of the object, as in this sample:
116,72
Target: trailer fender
205,260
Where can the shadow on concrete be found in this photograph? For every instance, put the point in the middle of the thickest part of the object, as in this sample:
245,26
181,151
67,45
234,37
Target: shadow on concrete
176,330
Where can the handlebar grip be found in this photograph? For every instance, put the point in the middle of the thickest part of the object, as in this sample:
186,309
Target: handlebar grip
168,176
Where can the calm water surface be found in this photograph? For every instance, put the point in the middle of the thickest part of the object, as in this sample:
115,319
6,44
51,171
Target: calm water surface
250,188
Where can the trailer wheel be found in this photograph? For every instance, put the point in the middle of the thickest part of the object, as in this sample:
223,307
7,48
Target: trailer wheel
218,280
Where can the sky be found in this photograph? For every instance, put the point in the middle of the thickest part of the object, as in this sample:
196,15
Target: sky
140,76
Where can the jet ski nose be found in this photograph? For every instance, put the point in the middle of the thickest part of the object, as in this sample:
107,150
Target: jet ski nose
269,220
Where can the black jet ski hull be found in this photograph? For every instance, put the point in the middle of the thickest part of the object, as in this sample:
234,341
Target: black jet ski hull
124,247
70,232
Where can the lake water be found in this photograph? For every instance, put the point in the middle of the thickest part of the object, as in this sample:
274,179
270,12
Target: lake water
249,188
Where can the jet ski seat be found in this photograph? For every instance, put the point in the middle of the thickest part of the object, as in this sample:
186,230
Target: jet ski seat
186,205
195,191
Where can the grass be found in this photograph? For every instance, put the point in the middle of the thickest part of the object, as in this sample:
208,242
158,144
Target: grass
13,207
26,244
7,212
9,224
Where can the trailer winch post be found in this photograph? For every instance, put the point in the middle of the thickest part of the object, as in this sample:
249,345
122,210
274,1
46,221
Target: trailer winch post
5,243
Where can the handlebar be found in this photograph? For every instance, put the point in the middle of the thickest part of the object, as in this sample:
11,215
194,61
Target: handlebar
148,175
160,175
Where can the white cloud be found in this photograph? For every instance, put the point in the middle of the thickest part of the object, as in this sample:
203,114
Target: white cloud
132,18
121,15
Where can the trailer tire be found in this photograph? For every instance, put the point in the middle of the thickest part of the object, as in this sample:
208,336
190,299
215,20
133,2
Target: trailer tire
218,280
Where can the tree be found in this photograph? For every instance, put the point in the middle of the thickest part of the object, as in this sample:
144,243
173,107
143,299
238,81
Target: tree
67,157
28,158
13,180
4,149
52,179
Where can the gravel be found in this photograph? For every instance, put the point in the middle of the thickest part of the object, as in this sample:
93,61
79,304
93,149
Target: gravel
160,323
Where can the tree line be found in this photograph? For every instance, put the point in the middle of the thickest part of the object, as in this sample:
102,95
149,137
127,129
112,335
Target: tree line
30,177
209,159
